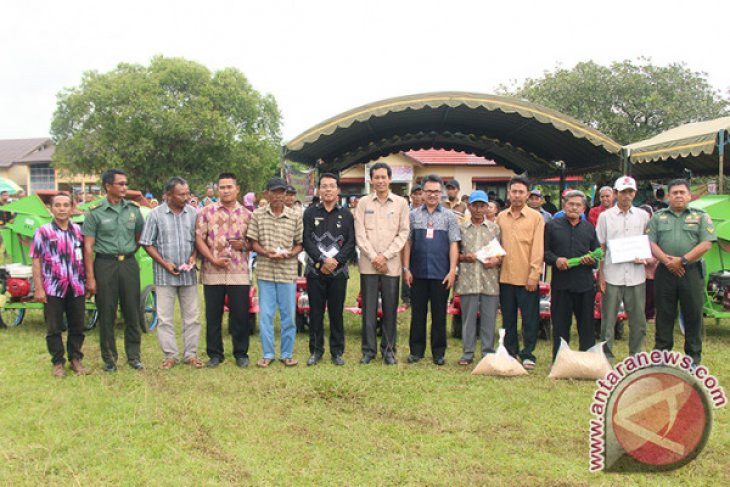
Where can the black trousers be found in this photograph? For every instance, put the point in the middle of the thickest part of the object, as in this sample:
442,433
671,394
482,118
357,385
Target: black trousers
424,291
117,285
373,285
237,319
53,311
563,306
688,291
511,299
330,294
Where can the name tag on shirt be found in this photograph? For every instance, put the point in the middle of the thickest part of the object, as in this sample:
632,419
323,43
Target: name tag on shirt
78,254
429,233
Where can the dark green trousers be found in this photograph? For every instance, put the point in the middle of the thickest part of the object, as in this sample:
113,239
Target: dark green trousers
688,291
117,283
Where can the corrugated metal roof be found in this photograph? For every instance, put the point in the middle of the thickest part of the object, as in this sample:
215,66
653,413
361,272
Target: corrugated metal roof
16,150
514,133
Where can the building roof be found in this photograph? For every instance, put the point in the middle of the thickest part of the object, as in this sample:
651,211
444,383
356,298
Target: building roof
14,151
428,157
514,133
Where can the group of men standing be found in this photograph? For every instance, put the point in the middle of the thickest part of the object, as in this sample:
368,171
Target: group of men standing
424,245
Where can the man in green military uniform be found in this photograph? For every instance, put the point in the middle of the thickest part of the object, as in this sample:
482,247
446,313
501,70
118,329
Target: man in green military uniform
680,236
112,229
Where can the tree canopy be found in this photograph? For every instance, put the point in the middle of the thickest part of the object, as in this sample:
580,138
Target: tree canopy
629,100
173,117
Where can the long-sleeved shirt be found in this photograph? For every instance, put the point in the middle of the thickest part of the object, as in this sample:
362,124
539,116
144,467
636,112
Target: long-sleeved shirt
381,228
563,239
522,239
328,234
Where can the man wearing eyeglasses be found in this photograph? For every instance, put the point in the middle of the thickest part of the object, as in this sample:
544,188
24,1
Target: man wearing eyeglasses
111,230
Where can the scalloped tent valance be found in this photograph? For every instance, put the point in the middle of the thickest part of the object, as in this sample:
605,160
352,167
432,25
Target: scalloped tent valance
693,146
515,133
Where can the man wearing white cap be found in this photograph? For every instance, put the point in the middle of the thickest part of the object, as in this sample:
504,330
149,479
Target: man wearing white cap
622,281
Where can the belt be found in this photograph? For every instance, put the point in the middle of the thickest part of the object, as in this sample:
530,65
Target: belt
119,257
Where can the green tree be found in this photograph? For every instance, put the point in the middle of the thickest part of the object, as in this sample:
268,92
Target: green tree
629,100
173,117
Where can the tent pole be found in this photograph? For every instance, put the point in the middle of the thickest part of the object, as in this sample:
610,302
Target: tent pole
721,156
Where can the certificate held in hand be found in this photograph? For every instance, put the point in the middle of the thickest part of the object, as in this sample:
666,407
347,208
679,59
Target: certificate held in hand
628,249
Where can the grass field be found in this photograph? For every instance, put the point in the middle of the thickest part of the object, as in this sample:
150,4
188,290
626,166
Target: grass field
324,425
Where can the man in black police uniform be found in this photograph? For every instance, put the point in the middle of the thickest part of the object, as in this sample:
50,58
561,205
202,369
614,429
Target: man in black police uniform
680,236
111,230
329,241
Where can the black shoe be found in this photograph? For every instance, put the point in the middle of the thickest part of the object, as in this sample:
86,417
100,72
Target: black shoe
338,360
110,367
313,359
214,362
412,359
136,364
366,359
242,362
390,359
439,361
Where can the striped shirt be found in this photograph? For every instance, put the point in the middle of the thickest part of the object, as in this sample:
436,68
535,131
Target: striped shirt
173,235
61,257
276,232
216,226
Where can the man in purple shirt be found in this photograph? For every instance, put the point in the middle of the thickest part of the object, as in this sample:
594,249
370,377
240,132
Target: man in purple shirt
58,275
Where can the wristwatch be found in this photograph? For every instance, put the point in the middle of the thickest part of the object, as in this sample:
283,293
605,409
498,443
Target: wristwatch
684,261
406,269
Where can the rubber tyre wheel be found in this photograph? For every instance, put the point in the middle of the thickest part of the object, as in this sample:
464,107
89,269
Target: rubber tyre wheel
11,317
92,315
456,326
544,330
148,309
302,322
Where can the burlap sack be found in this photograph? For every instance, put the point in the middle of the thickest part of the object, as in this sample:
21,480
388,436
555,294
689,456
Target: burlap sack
591,364
500,363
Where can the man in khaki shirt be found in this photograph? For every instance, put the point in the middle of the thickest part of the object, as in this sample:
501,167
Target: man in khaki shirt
522,231
381,230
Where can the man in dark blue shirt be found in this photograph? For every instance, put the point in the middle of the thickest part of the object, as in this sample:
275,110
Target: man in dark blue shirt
573,290
430,257
329,241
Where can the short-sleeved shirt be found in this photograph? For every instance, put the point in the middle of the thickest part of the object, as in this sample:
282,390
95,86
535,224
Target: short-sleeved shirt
173,235
276,232
615,224
473,277
216,225
431,235
114,227
523,240
61,257
678,233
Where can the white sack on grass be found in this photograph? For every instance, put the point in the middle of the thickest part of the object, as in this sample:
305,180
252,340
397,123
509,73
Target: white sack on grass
500,363
591,364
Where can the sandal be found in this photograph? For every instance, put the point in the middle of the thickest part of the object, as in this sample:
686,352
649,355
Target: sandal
264,362
194,362
290,362
465,361
168,363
